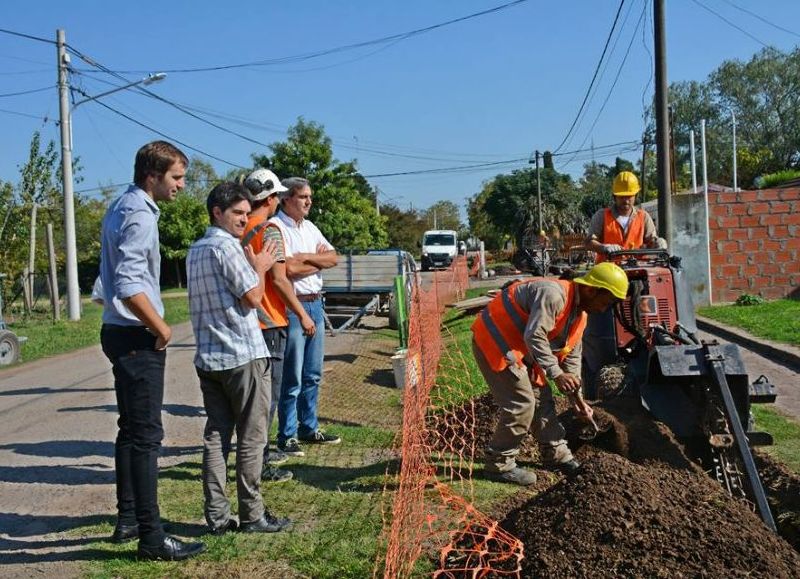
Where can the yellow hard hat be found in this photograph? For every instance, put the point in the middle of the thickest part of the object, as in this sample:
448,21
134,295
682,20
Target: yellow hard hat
625,184
608,276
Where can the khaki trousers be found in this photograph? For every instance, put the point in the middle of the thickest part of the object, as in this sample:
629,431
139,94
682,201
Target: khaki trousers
521,406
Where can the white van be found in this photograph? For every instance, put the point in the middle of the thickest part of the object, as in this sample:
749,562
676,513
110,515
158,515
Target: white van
439,248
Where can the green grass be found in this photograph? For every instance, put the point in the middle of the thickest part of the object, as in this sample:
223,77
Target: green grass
334,501
48,338
777,320
785,431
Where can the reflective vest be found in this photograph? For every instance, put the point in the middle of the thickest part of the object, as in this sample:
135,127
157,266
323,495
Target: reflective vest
612,232
271,311
499,330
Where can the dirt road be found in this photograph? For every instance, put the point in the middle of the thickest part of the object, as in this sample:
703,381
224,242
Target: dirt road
57,427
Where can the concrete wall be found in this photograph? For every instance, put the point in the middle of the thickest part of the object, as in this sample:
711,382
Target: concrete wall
755,242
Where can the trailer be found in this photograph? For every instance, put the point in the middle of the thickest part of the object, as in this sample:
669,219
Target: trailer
369,281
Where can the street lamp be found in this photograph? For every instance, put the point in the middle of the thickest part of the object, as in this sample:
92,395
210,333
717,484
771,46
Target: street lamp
71,252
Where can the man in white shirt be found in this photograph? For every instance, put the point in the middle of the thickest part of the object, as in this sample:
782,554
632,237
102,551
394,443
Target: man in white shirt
307,253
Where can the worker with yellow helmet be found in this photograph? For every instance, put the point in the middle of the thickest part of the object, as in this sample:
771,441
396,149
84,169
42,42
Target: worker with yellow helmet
622,226
526,340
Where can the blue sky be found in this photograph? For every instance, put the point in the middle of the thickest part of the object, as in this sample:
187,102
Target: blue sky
485,90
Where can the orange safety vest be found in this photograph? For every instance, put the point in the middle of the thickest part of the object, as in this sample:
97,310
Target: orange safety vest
612,232
499,330
271,311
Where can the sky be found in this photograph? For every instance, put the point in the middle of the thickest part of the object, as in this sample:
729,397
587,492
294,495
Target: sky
463,100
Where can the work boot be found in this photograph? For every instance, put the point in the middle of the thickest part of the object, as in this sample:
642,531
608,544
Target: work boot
559,458
517,475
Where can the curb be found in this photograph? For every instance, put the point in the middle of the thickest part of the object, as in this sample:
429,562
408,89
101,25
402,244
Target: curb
784,353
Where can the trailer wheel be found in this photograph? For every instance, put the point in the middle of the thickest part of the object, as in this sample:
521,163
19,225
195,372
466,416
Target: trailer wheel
391,304
9,347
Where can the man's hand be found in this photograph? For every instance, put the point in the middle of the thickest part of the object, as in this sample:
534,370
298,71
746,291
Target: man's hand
567,382
611,247
322,248
264,259
308,325
163,338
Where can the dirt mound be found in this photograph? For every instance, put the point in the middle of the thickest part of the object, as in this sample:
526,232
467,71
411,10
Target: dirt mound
621,519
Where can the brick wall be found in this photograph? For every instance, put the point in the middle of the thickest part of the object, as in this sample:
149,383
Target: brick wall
755,243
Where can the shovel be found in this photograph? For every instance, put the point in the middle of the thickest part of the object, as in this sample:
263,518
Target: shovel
585,414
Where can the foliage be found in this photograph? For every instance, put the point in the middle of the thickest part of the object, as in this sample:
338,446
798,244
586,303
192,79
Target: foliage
777,320
344,204
406,230
481,224
443,215
763,95
181,223
774,179
200,179
749,300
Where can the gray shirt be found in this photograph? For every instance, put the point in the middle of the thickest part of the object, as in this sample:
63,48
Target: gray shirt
543,300
226,331
130,258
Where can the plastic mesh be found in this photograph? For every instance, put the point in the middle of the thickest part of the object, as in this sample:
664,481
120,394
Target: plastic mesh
431,509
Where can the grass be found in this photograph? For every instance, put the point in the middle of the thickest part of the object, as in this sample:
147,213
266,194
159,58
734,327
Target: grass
48,338
777,320
785,431
335,501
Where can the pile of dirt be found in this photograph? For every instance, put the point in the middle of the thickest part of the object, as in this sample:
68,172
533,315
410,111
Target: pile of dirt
617,518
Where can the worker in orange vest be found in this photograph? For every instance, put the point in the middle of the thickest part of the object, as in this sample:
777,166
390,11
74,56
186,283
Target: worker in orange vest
527,340
622,226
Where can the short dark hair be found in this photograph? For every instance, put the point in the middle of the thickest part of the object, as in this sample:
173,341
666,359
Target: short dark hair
293,184
224,195
155,159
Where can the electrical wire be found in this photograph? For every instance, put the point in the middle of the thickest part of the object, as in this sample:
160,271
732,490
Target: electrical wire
762,19
44,119
594,77
729,23
328,51
28,36
13,94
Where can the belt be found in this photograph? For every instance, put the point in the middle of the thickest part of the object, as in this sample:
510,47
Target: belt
308,297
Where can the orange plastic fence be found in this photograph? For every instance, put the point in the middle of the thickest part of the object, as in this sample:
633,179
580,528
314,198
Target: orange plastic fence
431,508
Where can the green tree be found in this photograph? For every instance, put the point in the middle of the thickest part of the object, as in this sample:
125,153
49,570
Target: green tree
443,215
481,224
181,223
200,178
343,208
406,230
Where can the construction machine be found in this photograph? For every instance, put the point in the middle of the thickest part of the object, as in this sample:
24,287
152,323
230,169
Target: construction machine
699,389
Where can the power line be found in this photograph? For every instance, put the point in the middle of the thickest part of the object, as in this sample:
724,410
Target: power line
44,119
594,77
328,51
762,19
729,23
28,36
12,94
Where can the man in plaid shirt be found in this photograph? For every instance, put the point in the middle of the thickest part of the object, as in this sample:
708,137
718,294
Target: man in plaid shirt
226,284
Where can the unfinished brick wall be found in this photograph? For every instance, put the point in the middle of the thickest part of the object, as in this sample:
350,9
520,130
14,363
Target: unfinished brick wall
755,243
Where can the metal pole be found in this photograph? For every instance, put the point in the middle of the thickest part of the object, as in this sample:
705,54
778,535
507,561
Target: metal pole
662,121
71,251
705,203
644,167
693,162
539,191
733,118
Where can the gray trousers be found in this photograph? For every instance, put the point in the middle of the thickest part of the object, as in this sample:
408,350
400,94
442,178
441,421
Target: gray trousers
522,406
236,399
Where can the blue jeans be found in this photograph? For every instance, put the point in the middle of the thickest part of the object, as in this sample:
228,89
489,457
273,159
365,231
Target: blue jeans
302,372
275,338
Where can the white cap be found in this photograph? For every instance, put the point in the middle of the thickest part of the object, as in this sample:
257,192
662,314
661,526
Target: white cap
262,183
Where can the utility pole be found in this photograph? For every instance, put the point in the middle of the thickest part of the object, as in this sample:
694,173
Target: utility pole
643,178
662,120
539,192
71,251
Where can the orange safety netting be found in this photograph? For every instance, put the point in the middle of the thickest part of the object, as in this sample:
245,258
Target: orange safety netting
431,508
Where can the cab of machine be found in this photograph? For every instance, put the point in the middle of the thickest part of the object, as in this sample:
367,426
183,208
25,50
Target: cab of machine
439,248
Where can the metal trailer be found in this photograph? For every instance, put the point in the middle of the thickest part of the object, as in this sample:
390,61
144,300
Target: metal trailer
365,282
9,341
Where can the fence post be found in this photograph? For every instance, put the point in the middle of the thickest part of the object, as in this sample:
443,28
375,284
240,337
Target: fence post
51,255
402,314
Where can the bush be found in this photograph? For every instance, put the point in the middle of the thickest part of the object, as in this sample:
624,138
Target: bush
749,300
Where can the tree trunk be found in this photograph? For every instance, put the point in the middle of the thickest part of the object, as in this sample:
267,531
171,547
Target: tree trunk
178,273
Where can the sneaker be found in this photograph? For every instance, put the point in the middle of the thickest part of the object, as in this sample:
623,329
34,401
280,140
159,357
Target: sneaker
319,437
274,474
291,447
276,457
517,476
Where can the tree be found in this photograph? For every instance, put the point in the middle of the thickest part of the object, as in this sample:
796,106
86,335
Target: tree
200,178
343,208
181,223
443,215
406,230
481,224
